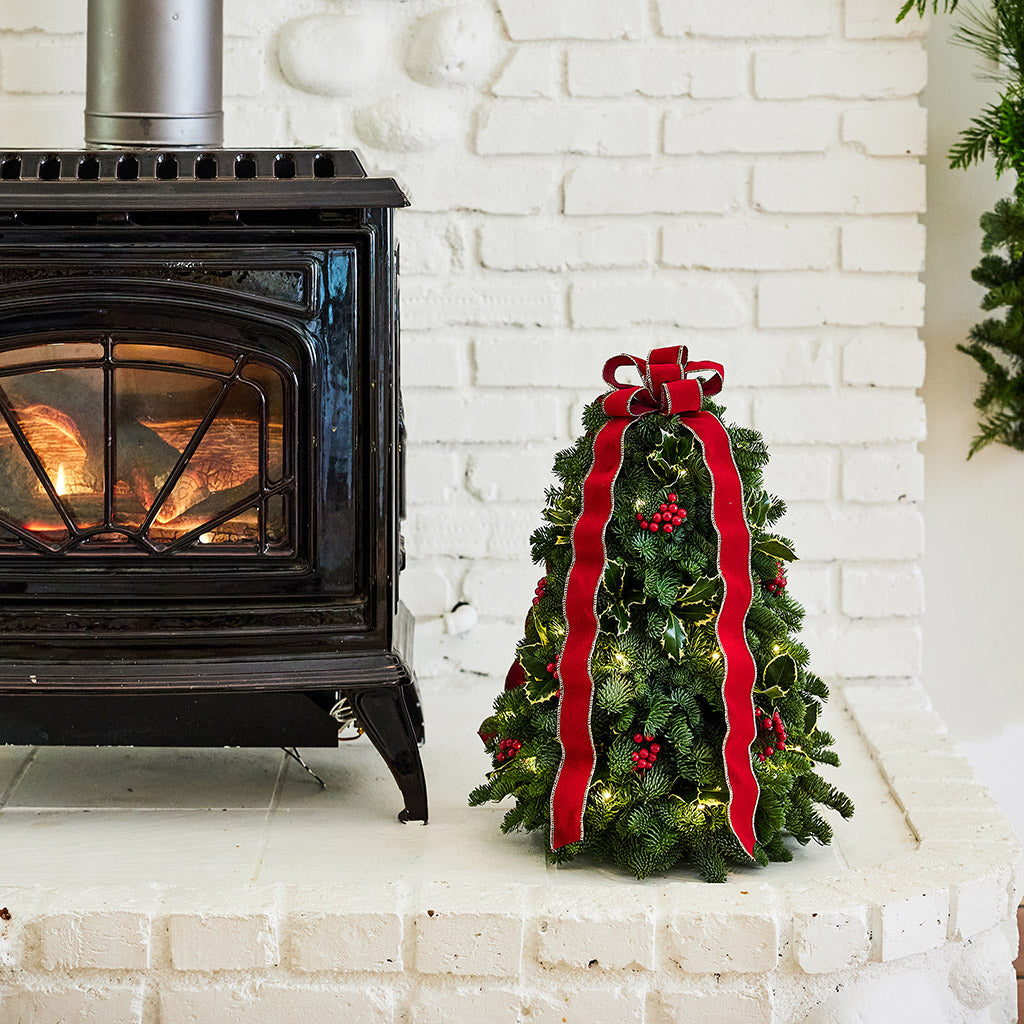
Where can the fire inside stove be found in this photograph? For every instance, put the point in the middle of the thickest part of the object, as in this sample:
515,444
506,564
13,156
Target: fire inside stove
112,444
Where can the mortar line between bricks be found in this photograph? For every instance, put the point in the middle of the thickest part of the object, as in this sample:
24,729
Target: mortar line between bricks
275,801
18,776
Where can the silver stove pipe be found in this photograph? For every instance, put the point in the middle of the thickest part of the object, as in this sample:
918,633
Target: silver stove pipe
154,74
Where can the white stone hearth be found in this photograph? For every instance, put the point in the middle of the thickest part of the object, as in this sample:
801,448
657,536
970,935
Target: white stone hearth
178,887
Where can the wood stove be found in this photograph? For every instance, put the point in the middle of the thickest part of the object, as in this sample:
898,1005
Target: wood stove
201,453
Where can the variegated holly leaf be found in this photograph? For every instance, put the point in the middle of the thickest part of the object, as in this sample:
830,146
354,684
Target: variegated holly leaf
674,637
780,672
775,548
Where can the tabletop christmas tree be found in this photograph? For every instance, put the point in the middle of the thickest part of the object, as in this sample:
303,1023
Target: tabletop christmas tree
660,708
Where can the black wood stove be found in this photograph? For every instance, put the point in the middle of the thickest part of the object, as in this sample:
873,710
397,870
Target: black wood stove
201,453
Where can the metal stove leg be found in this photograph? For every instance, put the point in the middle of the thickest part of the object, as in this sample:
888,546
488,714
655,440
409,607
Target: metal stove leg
384,714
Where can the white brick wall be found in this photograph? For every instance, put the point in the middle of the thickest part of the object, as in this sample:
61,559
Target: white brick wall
739,176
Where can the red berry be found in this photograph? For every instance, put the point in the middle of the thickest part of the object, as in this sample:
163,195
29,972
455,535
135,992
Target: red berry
551,666
663,508
781,744
768,752
762,758
655,527
656,518
655,748
682,512
642,764
517,744
635,756
758,711
638,738
648,737
668,527
644,524
672,497
653,758
639,517
645,753
558,693
536,600
500,757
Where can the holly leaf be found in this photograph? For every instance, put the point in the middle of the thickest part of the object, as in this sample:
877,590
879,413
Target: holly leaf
758,507
780,672
811,716
775,548
558,515
674,637
666,461
535,660
702,591
775,693
621,592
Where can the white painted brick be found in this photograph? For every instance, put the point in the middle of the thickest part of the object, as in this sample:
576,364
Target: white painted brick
612,130
437,1005
756,360
249,17
876,649
432,361
594,1006
427,592
884,358
480,185
44,65
222,941
469,932
849,416
829,185
581,932
943,826
877,591
562,360
684,186
604,19
712,1005
744,18
688,300
274,1004
532,72
831,939
431,474
719,933
811,585
456,416
801,474
249,124
874,19
435,531
618,71
242,76
887,129
95,939
57,16
89,1003
881,476
502,589
499,473
509,530
879,245
809,300
365,936
978,903
541,244
861,534
716,74
42,122
489,644
757,243
494,300
854,73
732,127
914,924
430,244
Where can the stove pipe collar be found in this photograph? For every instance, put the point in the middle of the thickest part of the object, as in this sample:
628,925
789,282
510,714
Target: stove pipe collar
154,74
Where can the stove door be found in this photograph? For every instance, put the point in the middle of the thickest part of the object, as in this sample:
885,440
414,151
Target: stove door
129,443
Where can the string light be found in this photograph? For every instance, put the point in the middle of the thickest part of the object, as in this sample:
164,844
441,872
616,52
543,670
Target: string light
715,656
776,649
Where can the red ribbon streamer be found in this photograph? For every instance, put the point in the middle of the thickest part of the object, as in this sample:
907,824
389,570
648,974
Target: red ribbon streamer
666,390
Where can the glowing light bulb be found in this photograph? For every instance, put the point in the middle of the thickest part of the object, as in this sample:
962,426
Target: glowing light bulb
776,649
61,485
715,656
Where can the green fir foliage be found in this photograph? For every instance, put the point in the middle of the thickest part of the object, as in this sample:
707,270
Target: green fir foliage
658,671
921,6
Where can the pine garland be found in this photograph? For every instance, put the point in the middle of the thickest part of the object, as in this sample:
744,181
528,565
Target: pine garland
658,672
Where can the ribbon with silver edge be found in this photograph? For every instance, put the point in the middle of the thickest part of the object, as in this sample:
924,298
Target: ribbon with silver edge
666,388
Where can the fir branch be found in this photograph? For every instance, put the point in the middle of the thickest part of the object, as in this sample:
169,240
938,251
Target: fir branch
921,6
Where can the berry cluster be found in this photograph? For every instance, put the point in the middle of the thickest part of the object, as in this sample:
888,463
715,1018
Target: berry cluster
507,749
666,519
539,591
646,756
778,584
771,724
